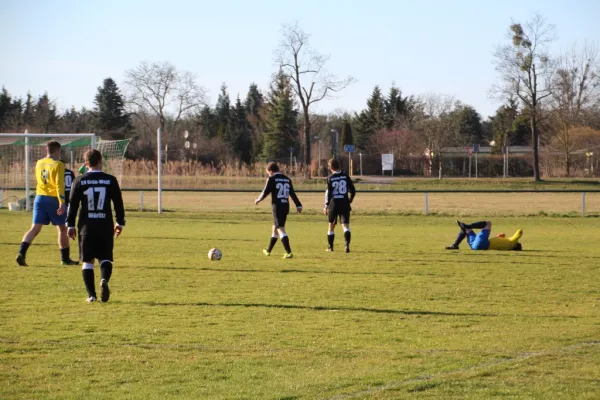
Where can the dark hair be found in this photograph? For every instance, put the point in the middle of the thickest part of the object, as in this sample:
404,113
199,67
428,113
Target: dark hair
273,167
518,247
52,146
334,164
92,157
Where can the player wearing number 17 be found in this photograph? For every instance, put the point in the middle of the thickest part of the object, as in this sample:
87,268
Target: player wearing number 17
280,187
337,202
93,192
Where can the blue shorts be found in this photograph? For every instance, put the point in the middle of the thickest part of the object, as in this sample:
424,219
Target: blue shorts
44,211
479,241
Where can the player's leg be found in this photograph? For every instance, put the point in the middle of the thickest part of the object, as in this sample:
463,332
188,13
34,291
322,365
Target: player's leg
285,240
332,217
345,219
273,241
63,244
462,234
475,225
87,270
26,242
482,240
104,250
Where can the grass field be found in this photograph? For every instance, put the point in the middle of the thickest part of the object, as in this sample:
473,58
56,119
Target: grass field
399,317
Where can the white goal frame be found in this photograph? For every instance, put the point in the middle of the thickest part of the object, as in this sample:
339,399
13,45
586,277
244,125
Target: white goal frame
28,135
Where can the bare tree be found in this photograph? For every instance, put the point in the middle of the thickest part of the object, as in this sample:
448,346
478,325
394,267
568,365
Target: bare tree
576,91
311,82
436,125
526,72
160,90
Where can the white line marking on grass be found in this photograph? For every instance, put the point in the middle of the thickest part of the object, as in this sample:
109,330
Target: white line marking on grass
482,366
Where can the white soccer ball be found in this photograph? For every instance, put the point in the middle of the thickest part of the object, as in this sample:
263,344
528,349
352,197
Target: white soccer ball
215,254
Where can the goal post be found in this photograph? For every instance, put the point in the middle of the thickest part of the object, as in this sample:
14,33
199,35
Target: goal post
20,151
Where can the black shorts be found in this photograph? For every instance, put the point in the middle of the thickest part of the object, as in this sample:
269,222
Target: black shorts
342,212
280,216
98,245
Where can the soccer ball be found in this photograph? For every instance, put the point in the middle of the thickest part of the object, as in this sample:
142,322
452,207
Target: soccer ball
215,254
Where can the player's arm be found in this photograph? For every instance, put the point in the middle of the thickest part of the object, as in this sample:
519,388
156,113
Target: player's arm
74,201
117,199
295,198
266,191
351,189
60,182
328,196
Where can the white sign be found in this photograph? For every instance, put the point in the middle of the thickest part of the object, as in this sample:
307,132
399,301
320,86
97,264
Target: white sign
387,162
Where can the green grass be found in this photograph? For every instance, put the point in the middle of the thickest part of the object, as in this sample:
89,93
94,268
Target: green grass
399,317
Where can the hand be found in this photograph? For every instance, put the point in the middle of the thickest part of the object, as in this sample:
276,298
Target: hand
325,211
299,209
118,230
256,201
72,233
61,209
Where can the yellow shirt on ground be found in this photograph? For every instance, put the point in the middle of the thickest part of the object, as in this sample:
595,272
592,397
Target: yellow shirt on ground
50,175
500,243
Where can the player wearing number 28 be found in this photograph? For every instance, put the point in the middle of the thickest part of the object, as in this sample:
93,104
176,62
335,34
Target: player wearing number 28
280,188
49,205
337,202
93,192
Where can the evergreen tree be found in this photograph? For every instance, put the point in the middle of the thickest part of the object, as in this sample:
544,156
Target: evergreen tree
5,108
110,109
395,107
207,121
223,115
242,143
28,111
255,105
281,125
44,115
469,126
347,134
372,119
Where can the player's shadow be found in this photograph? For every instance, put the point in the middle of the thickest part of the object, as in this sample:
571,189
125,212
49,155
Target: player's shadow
321,308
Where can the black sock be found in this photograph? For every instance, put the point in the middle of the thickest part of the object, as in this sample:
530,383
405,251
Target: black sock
286,244
106,270
459,238
272,243
476,225
88,280
64,254
347,236
23,248
330,239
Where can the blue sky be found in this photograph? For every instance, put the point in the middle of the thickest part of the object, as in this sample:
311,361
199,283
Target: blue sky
68,47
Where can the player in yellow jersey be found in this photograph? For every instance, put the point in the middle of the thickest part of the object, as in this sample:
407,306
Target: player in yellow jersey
482,240
50,203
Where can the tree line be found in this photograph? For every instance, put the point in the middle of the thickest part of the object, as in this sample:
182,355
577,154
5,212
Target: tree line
550,100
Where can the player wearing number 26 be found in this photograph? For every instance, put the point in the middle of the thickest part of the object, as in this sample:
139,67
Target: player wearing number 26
49,204
337,202
281,189
93,192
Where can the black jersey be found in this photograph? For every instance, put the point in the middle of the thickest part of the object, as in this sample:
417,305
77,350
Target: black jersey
94,191
69,177
280,188
339,185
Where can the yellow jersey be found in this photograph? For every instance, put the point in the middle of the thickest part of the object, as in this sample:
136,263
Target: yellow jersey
50,175
500,243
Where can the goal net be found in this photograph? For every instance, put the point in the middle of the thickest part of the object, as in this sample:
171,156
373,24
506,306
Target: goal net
19,153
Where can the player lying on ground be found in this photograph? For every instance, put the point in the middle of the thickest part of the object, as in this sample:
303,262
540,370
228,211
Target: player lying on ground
49,205
482,240
280,187
93,192
337,203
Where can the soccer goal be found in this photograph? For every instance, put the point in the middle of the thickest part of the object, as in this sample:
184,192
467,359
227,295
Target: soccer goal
20,151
